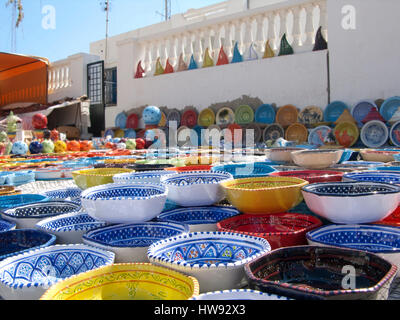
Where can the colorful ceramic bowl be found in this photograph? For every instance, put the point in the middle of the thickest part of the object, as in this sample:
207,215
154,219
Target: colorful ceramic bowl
273,132
308,272
311,116
334,110
316,159
133,281
199,219
312,176
280,230
390,107
141,177
26,216
265,114
94,177
69,194
196,188
287,115
206,117
205,167
395,134
318,135
125,203
215,259
373,176
346,134
361,110
238,294
352,202
244,115
15,242
69,228
130,242
378,155
374,134
265,195
245,170
297,132
27,276
225,116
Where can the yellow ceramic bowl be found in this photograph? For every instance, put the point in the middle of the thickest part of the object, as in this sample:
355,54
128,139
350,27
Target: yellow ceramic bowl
120,161
132,281
264,195
85,179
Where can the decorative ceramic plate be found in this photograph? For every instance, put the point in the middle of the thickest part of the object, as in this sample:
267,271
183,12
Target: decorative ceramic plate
186,136
109,132
189,118
395,134
133,121
311,115
273,132
163,121
206,117
334,110
130,134
120,120
265,114
375,134
244,115
287,115
296,132
257,132
390,107
225,116
318,135
174,115
361,110
346,134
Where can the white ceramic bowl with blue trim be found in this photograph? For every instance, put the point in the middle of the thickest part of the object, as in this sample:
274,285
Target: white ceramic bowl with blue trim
69,228
130,242
215,259
239,294
140,177
27,216
69,194
196,188
200,219
384,241
125,203
352,202
27,276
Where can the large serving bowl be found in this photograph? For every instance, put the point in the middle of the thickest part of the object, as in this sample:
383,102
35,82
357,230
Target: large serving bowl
69,228
27,276
7,202
352,202
125,203
373,176
309,272
15,242
7,225
378,155
27,216
69,194
238,294
264,195
316,159
141,177
281,155
133,281
85,179
245,170
382,240
199,219
281,229
215,259
196,188
130,242
312,176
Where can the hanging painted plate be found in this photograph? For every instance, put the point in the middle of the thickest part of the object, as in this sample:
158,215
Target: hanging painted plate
374,134
189,118
334,110
346,134
163,121
311,115
174,115
395,134
273,132
318,136
225,116
287,115
130,134
132,121
361,110
256,134
120,120
244,115
206,117
265,114
389,107
296,132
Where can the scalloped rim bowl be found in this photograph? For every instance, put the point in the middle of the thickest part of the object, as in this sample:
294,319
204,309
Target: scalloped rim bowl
212,275
70,194
147,177
114,283
85,179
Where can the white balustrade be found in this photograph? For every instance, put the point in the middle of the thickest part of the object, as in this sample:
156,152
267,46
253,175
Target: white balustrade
59,77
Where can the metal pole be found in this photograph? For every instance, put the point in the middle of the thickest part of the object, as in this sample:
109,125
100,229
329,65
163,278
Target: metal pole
107,10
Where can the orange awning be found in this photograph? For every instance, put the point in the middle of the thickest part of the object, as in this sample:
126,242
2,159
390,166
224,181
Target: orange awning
22,79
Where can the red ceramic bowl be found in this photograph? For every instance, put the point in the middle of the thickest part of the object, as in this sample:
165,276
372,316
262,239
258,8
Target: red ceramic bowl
281,230
312,176
393,220
190,168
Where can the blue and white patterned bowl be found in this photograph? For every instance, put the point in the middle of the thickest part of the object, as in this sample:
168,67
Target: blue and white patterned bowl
7,225
196,188
20,177
7,202
27,276
15,242
69,194
125,203
381,240
27,216
245,170
373,176
200,219
352,202
238,294
360,164
131,242
69,228
215,259
141,177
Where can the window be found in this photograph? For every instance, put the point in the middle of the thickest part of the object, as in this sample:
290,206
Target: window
111,87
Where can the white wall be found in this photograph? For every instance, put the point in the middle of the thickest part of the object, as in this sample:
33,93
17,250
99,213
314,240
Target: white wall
364,63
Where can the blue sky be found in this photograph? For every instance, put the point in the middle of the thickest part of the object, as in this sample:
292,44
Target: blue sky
79,22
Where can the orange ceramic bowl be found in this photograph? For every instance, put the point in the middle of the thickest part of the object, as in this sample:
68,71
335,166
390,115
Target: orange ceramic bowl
264,195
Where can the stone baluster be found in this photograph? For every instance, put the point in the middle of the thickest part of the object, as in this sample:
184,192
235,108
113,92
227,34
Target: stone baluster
323,20
238,35
198,48
147,58
296,29
217,42
260,38
309,28
229,39
271,31
172,52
